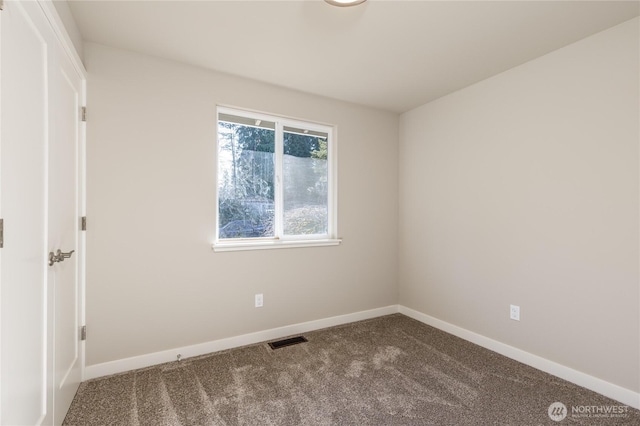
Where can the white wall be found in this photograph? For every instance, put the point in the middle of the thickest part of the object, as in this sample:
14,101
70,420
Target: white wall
153,281
523,189
69,22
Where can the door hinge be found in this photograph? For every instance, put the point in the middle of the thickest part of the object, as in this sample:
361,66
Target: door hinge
83,113
1,233
83,223
83,333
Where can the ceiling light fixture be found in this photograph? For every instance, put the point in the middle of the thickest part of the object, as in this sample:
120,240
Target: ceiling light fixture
344,3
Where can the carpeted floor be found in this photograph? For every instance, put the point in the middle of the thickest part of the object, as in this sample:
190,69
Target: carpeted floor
391,370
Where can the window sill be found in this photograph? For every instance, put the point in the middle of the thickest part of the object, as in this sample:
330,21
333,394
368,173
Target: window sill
272,244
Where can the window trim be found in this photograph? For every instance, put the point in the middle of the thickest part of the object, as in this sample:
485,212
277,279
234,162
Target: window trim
261,244
280,240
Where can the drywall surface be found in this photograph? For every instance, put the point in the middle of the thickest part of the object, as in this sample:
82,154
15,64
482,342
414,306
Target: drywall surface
523,189
153,281
62,7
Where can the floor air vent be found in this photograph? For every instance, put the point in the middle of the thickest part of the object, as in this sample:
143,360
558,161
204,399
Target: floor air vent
287,342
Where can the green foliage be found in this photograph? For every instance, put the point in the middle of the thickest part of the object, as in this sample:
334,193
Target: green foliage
255,139
263,140
300,145
322,152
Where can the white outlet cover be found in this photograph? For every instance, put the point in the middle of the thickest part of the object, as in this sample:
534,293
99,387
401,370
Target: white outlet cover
259,300
514,312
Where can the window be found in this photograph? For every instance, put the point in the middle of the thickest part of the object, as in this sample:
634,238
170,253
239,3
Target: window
276,182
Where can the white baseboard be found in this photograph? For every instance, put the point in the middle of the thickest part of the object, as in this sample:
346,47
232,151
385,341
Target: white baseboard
600,386
147,360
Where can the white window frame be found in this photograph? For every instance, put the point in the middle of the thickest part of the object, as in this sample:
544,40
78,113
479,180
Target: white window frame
280,240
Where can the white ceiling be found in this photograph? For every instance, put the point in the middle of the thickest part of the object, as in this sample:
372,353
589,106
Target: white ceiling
393,55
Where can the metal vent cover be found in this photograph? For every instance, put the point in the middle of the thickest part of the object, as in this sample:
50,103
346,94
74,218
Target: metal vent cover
287,342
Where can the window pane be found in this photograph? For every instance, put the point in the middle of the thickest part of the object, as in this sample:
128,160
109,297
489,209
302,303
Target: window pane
245,177
305,177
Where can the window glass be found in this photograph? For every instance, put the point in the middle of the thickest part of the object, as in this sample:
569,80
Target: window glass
304,171
274,178
246,176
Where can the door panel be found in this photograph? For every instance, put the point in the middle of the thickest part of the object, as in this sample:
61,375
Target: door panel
23,96
41,149
64,230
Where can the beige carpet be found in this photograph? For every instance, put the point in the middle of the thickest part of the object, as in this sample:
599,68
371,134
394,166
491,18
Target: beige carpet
387,371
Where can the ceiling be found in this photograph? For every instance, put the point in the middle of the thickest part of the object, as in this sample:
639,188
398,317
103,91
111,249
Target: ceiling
388,54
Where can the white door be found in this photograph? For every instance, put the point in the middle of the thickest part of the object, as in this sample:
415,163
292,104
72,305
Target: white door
64,229
23,166
40,305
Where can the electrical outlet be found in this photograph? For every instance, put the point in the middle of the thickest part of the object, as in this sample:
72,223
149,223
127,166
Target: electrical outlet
514,312
259,300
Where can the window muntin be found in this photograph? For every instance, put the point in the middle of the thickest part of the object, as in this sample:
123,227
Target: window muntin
275,179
